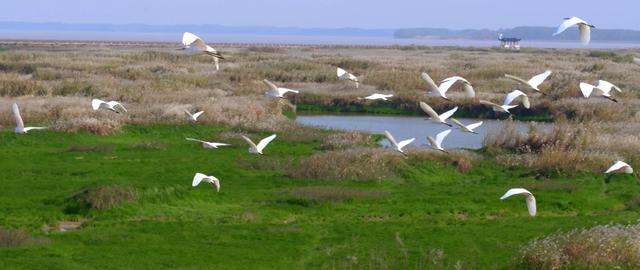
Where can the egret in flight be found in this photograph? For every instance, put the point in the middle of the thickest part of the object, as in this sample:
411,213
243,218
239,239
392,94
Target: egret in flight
603,89
206,144
275,91
468,128
435,117
194,43
620,166
583,27
199,178
445,84
20,128
398,145
532,83
437,142
344,75
529,198
377,96
193,117
508,99
111,105
257,149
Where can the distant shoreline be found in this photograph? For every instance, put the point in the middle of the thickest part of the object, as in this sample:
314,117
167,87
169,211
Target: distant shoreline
173,40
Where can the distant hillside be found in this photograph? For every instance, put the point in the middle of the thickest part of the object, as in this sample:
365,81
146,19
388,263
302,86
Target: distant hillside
524,32
201,29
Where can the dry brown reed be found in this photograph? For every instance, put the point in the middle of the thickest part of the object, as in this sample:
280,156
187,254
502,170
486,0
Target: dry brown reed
105,197
606,246
352,164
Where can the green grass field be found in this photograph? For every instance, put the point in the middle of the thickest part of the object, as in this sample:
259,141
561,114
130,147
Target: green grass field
430,217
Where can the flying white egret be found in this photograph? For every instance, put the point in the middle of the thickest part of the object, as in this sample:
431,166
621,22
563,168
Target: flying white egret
195,43
498,108
437,143
529,198
257,149
193,117
466,85
445,84
199,177
532,83
620,165
588,90
20,128
377,96
468,128
275,91
398,145
206,144
442,118
111,105
344,75
509,98
583,26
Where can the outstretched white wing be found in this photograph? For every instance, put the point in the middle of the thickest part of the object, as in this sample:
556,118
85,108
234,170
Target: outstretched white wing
431,85
529,198
537,80
198,178
468,90
283,91
448,114
391,139
474,125
192,41
568,23
429,111
341,72
250,142
114,104
264,142
404,143
585,33
433,142
195,140
458,123
515,94
607,86
16,115
216,183
440,137
619,165
271,86
586,89
445,85
196,115
95,103
515,78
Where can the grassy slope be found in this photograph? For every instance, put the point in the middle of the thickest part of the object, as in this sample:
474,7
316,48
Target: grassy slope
255,223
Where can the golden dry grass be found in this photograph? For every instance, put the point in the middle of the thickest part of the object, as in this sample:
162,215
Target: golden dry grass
607,246
54,86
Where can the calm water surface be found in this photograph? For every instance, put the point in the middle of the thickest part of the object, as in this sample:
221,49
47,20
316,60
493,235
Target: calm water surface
405,127
297,39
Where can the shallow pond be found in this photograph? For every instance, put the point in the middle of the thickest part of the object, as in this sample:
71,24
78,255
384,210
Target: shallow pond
404,127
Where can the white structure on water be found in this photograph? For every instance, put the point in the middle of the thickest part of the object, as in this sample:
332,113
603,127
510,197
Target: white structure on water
509,43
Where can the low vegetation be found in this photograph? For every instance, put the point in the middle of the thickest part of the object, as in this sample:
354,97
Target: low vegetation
605,246
319,198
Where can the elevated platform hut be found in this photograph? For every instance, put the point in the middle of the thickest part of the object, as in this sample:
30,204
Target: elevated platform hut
509,43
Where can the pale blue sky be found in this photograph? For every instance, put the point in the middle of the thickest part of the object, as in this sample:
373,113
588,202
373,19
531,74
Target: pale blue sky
456,14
